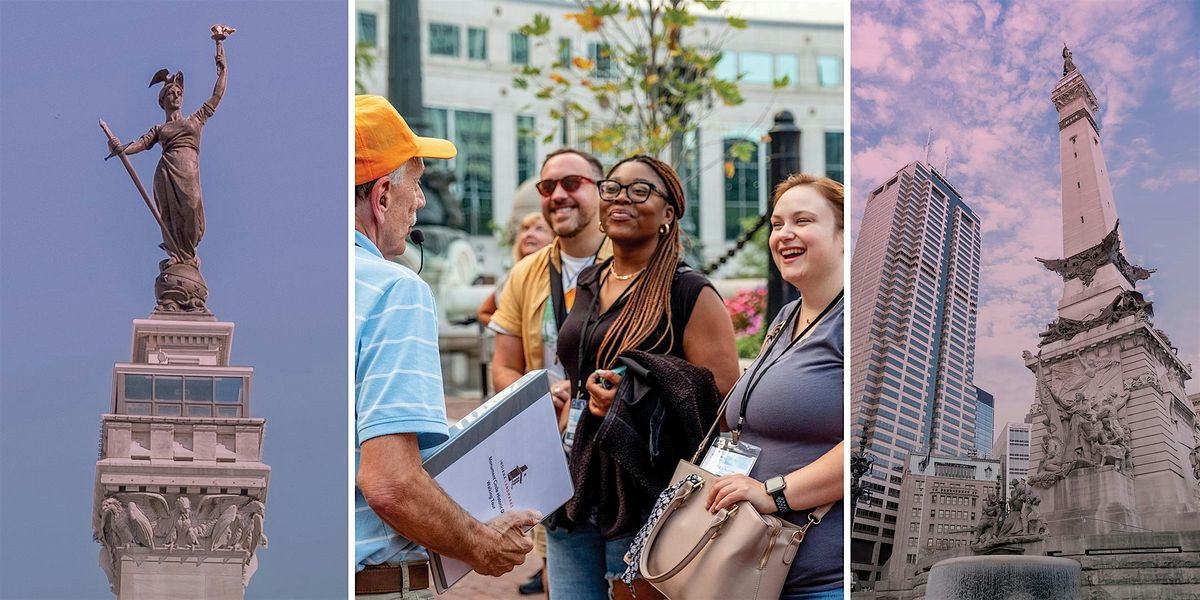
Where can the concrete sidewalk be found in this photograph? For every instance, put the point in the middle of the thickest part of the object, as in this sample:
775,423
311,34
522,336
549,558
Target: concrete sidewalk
476,586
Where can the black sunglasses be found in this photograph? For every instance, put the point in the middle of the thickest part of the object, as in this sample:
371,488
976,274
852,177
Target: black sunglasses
570,183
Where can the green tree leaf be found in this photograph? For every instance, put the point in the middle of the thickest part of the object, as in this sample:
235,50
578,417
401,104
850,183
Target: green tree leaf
737,22
539,27
743,151
607,9
678,17
728,92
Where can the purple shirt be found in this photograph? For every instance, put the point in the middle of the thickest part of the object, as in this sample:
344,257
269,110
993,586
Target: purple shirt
795,414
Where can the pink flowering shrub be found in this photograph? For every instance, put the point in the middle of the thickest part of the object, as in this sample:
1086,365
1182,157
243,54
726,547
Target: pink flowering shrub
746,309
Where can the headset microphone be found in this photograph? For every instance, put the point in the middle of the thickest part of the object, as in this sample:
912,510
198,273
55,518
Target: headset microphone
418,238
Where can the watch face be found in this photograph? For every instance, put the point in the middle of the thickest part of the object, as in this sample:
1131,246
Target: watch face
775,484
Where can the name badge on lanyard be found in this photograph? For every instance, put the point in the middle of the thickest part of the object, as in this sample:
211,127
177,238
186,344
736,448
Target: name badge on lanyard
726,457
578,405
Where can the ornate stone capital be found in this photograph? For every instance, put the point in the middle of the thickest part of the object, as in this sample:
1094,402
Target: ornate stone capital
200,526
1083,265
1071,87
1125,304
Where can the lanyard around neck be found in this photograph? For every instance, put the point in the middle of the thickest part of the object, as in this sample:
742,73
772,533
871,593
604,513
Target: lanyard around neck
762,366
558,298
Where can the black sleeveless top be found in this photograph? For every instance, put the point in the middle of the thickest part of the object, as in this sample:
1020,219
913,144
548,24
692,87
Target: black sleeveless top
584,321
685,289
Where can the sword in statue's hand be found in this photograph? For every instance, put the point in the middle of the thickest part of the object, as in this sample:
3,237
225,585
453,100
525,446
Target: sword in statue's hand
119,151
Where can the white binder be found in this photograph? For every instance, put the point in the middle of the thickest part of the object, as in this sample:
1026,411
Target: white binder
505,455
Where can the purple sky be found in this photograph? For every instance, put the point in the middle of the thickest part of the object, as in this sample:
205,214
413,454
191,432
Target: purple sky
980,73
78,256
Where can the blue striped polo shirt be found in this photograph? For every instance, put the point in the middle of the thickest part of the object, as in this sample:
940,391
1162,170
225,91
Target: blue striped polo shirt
397,381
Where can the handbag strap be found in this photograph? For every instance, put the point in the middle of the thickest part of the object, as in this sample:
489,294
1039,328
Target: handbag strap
714,527
716,422
690,485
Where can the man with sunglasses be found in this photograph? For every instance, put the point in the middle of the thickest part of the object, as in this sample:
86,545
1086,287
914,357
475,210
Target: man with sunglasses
541,288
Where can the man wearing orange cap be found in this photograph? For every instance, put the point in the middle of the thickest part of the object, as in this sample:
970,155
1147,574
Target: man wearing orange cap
399,409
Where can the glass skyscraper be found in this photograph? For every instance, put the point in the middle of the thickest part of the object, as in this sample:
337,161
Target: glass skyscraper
914,293
985,421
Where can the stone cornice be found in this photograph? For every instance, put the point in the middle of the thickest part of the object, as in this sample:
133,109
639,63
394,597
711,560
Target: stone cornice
245,421
1156,342
1071,87
1077,115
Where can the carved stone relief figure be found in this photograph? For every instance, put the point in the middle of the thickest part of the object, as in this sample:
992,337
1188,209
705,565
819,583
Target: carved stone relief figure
1033,516
184,533
1051,460
229,522
989,521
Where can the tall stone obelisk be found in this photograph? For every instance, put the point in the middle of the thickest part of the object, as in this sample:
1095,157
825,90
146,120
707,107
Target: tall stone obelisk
1112,429
181,488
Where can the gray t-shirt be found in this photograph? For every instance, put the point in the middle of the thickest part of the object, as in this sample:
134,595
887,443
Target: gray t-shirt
795,414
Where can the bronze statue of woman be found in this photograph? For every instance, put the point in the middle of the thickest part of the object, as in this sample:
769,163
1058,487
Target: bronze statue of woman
178,202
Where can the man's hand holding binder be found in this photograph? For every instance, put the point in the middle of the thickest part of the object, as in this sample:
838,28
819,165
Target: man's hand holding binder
512,545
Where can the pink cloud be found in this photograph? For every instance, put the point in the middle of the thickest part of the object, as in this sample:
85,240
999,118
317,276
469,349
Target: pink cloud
1185,92
981,75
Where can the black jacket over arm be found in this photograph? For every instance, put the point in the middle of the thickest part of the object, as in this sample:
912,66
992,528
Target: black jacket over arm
663,408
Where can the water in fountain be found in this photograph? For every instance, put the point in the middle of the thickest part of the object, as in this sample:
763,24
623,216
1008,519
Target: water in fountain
1004,578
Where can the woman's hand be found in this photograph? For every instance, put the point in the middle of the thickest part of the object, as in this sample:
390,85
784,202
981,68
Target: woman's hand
560,394
601,399
730,489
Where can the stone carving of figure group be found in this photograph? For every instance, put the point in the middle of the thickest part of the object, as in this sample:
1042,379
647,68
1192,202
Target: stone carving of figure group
1088,432
1093,434
1195,458
1021,519
221,522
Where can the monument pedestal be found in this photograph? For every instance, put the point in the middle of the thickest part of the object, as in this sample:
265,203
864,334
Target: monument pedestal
180,574
180,484
1092,500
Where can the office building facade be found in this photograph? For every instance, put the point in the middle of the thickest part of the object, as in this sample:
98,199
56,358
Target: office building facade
1012,450
914,297
985,422
941,502
471,50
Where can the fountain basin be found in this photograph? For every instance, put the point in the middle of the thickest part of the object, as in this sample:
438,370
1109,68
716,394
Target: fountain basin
1002,577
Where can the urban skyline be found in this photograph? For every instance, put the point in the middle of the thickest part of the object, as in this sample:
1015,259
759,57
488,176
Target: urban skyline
913,291
992,119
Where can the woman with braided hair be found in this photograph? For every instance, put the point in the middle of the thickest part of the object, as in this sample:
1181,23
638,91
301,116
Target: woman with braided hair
643,298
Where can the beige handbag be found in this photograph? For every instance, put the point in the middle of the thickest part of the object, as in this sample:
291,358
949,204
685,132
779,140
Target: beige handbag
692,554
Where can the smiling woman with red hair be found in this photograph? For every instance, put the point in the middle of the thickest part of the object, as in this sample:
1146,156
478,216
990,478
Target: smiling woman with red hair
789,402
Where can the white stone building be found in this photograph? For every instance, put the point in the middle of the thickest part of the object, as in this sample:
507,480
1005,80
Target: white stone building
471,49
941,502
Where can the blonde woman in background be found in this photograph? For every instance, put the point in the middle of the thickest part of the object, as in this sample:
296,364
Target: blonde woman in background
533,234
